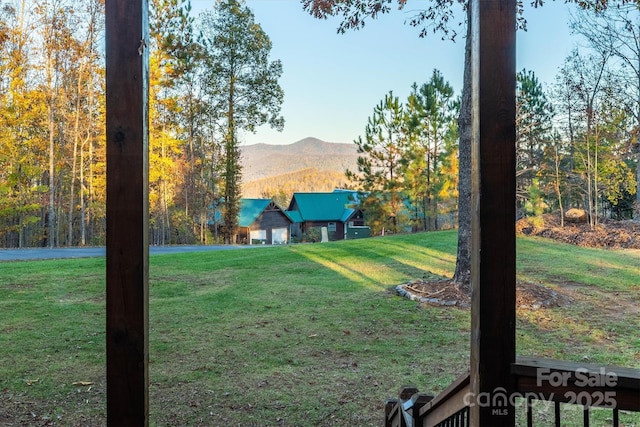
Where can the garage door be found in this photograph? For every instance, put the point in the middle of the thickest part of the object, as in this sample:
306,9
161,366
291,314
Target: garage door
279,236
258,237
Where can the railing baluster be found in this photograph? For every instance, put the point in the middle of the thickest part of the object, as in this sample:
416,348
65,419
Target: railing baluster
585,413
447,409
459,419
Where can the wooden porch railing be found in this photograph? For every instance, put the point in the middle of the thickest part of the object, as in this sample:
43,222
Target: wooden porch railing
587,385
560,382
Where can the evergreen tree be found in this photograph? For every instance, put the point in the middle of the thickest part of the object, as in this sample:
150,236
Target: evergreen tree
379,176
431,112
242,84
534,113
438,17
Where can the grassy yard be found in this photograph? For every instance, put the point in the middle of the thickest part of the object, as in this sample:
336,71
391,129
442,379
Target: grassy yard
302,335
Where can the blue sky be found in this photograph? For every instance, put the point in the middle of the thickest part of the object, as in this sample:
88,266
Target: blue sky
333,81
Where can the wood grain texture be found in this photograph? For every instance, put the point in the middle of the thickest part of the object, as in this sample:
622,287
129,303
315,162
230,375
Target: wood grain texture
127,255
493,206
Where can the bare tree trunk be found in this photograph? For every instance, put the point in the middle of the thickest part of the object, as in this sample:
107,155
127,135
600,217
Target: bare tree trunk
76,137
83,228
557,186
636,212
589,189
462,275
90,194
595,181
52,209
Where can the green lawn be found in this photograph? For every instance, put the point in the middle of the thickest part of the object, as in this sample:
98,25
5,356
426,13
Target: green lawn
302,335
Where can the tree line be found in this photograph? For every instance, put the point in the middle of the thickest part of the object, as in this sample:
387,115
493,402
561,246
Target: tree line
210,79
576,140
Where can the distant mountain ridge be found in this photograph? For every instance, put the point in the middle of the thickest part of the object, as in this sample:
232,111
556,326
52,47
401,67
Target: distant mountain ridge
264,160
281,187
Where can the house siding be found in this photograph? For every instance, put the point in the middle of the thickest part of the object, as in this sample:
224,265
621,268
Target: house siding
268,220
333,235
316,210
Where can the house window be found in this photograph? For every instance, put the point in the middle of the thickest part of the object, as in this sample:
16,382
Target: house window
332,226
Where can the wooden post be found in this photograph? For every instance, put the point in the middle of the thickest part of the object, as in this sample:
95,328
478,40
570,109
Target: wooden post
127,63
493,206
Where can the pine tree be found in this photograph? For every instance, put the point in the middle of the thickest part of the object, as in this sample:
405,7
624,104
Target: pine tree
432,111
242,85
534,113
379,176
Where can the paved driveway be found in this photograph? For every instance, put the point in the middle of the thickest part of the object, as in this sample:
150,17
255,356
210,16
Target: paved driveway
57,253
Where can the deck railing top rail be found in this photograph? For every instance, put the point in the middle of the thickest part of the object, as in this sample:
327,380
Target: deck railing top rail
576,382
586,384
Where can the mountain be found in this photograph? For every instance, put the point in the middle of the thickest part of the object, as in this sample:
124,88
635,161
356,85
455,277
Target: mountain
281,187
264,160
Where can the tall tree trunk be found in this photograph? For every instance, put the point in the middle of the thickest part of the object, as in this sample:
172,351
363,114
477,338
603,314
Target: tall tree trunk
589,177
90,193
557,185
83,228
572,152
636,213
76,143
636,210
52,209
166,230
231,184
434,203
595,180
462,275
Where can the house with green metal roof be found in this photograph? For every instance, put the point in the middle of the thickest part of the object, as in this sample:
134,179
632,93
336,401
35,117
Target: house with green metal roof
336,214
260,221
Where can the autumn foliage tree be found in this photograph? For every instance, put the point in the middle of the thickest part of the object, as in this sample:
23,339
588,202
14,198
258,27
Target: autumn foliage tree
212,79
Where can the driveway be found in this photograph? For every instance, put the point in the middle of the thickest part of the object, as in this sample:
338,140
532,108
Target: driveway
89,252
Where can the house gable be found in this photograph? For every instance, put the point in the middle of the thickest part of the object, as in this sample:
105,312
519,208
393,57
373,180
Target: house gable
250,210
337,211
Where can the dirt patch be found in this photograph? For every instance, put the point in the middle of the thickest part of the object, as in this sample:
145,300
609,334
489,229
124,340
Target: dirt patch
439,292
606,234
446,293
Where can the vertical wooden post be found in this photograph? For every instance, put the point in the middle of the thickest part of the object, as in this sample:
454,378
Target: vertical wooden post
127,62
493,206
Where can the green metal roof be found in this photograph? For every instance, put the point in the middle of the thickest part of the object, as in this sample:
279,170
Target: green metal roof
294,216
321,206
250,210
